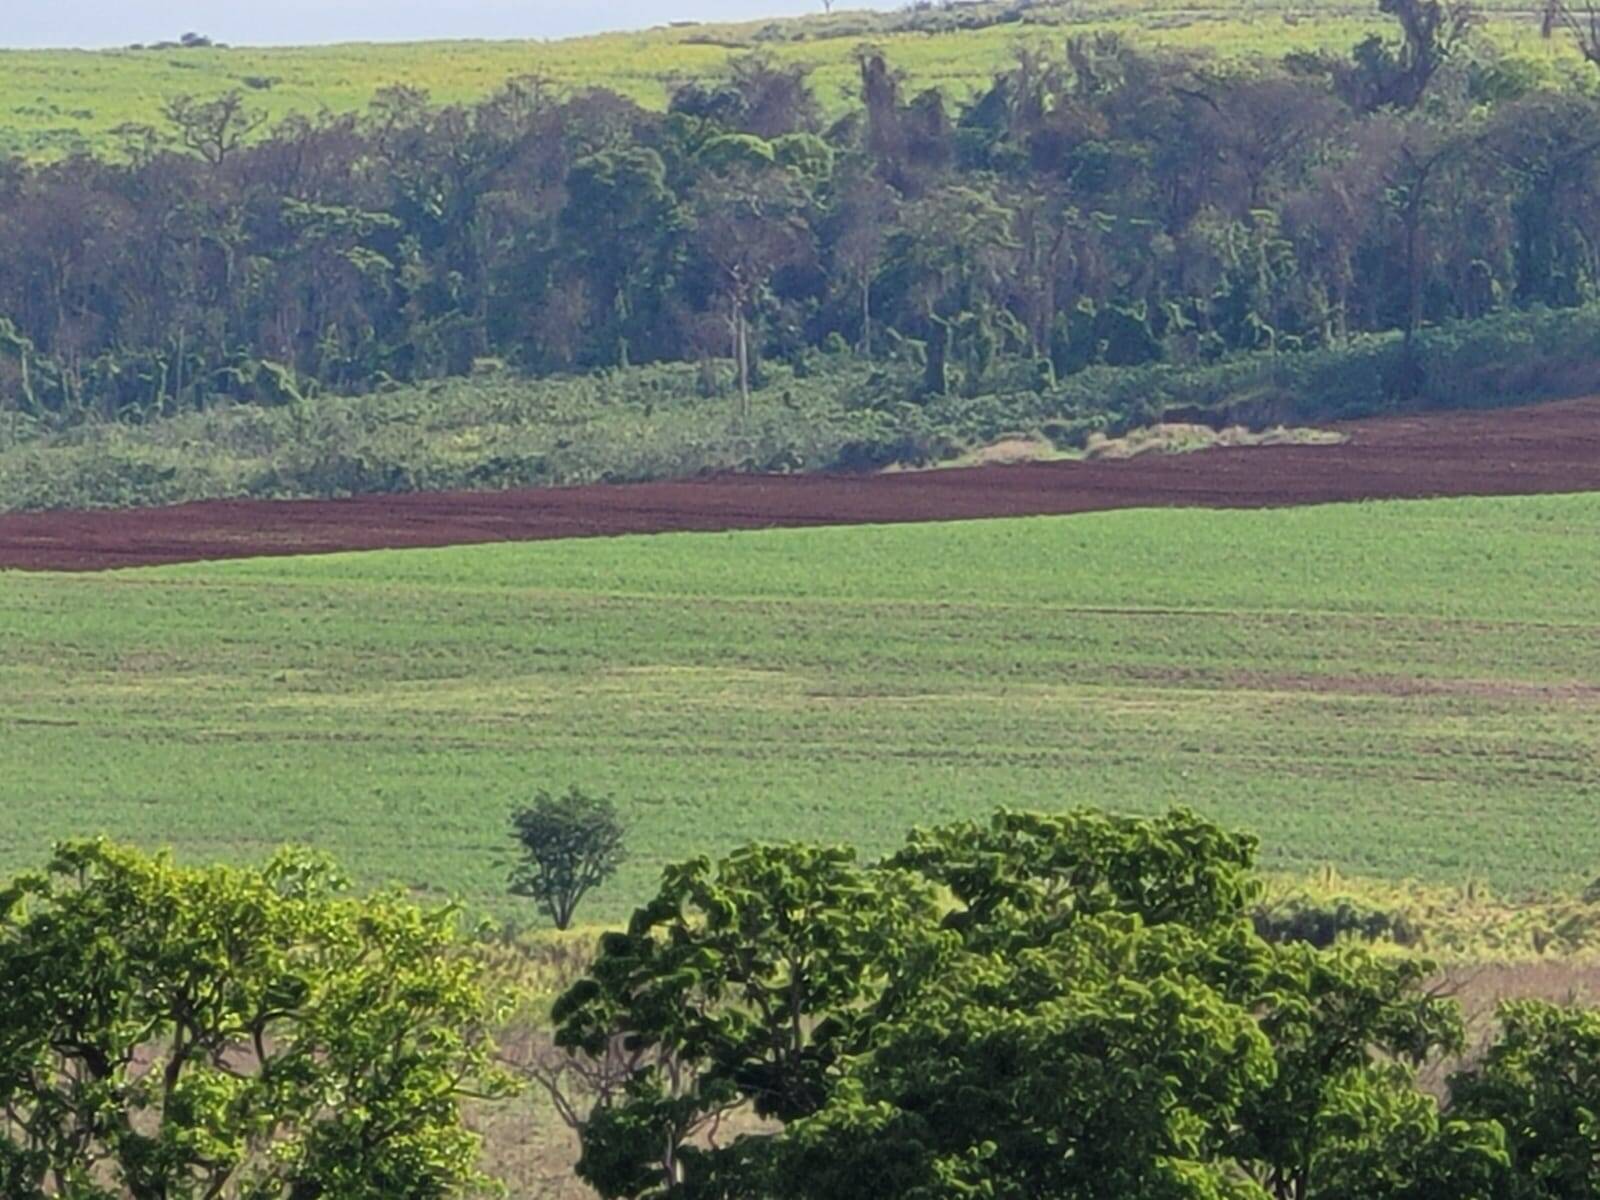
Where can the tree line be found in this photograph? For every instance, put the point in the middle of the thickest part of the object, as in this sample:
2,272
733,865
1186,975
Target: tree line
1095,204
1076,1006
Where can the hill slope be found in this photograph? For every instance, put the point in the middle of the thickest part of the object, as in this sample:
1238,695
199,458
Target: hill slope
56,102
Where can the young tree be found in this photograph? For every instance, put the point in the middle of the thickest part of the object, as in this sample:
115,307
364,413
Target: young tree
170,1033
570,844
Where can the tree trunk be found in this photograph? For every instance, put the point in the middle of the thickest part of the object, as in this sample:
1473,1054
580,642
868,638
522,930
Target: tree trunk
866,317
27,385
936,381
1408,350
177,377
741,335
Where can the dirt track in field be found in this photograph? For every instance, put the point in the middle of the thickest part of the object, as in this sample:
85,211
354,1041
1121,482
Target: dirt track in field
1541,449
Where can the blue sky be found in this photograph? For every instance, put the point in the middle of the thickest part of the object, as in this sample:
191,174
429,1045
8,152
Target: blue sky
94,23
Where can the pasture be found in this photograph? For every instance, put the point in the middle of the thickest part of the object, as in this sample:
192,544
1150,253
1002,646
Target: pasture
54,103
1396,689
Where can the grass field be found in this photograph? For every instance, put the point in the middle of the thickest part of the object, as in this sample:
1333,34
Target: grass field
1397,689
56,102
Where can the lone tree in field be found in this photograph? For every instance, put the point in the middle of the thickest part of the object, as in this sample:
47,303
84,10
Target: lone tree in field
570,845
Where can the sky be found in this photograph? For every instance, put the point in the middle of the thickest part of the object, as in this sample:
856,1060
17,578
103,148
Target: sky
97,23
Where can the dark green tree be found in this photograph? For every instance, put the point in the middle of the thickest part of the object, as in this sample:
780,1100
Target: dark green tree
1343,1114
946,261
1074,1006
743,982
570,844
625,192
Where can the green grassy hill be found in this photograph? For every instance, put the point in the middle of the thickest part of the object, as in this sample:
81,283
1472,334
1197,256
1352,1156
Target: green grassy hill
1401,690
55,102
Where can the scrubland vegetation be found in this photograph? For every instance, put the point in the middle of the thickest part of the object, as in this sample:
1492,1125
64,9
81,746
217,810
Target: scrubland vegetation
497,430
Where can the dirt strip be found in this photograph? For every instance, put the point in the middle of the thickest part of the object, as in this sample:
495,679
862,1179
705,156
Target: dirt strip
1540,449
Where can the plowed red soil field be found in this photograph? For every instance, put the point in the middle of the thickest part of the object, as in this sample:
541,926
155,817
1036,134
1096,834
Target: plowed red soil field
1540,449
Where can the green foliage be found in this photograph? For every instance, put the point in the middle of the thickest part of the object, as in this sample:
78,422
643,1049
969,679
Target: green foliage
1540,1081
737,151
176,1033
1348,1031
276,385
1069,1006
805,154
1098,1063
726,977
488,432
571,844
1026,873
1107,207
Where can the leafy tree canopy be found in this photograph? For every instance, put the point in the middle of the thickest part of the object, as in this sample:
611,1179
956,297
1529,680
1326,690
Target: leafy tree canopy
169,1033
1541,1083
1069,1006
570,845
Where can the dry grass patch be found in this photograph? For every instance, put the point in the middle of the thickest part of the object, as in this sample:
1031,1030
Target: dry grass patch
1185,439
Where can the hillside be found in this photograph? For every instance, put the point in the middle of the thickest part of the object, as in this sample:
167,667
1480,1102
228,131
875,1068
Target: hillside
1045,550
54,103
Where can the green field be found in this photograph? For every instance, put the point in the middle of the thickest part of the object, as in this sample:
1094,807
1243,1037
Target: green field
55,102
1402,690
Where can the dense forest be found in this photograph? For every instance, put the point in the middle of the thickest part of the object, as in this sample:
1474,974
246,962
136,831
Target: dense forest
1103,205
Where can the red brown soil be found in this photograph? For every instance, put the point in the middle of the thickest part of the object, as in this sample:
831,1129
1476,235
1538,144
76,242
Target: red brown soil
1542,449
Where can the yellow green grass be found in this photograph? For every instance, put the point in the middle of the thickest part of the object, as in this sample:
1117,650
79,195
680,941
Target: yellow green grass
1400,690
55,102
